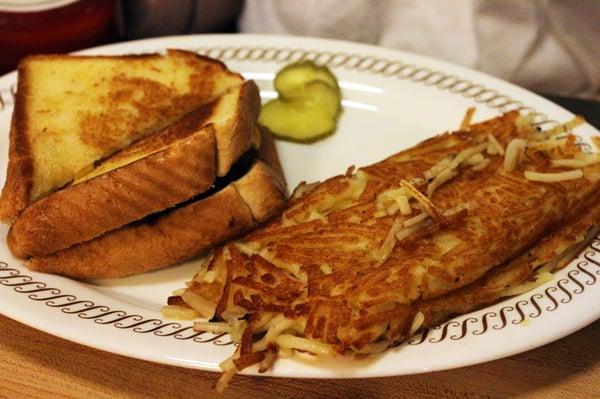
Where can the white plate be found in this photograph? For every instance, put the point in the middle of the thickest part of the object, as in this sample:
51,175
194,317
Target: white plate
391,101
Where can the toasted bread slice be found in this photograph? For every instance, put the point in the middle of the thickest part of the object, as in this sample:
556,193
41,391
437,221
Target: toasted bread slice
181,233
161,179
149,176
232,115
71,111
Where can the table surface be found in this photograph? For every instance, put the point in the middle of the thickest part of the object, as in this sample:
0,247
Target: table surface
35,364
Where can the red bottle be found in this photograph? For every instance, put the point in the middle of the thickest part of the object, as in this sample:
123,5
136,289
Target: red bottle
53,26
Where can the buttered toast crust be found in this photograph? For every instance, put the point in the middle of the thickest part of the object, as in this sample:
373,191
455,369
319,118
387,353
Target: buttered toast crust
138,180
71,111
181,233
88,209
234,117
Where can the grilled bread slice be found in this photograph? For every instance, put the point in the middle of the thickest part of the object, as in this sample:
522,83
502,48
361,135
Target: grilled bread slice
155,173
160,179
71,111
178,234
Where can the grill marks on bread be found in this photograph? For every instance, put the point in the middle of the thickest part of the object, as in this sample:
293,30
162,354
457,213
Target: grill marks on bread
72,111
168,168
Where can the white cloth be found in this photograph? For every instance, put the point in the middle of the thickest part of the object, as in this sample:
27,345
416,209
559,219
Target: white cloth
550,46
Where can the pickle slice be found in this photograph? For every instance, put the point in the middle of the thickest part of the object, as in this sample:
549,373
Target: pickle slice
294,76
308,105
309,116
295,121
324,98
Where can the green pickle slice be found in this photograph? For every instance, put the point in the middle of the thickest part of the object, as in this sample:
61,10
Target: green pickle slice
308,105
292,77
296,122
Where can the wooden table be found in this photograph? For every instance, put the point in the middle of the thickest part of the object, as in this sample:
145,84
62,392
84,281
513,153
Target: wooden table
35,364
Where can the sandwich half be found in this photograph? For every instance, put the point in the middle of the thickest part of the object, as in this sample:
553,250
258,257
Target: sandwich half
158,172
73,111
253,192
120,165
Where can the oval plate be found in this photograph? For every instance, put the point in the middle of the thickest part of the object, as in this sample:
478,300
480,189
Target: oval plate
392,100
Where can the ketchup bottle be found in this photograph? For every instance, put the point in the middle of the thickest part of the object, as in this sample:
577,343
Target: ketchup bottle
53,26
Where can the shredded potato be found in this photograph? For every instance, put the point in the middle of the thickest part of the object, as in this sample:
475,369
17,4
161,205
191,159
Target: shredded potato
444,170
474,159
481,165
554,177
274,334
212,326
565,127
387,247
305,344
494,146
469,206
580,161
229,370
513,152
179,312
403,233
466,154
404,205
392,208
442,178
201,305
393,200
421,199
547,144
415,220
325,268
466,122
438,167
417,323
267,362
209,276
